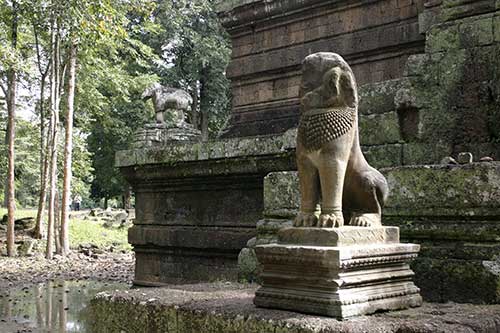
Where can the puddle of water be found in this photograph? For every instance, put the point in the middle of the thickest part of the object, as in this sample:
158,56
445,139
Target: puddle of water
51,307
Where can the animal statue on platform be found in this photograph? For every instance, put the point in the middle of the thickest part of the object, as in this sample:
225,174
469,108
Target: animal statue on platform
169,104
336,182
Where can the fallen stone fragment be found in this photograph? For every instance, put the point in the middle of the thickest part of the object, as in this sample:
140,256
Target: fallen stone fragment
464,158
486,159
448,160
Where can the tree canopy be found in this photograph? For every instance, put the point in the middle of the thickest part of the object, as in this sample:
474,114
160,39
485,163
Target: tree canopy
124,46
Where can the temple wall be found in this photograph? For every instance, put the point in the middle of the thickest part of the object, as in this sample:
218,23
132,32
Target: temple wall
429,87
270,40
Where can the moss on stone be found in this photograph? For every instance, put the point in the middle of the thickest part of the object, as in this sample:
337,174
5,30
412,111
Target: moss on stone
224,309
441,38
377,97
212,150
496,28
477,32
424,153
442,280
379,129
382,156
445,189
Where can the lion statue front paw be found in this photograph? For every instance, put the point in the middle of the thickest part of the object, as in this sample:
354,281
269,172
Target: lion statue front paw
331,220
365,220
305,220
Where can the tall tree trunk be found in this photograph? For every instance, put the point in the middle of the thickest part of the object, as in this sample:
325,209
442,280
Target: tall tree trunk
11,130
57,224
203,104
54,89
44,165
37,233
194,106
127,194
44,147
68,152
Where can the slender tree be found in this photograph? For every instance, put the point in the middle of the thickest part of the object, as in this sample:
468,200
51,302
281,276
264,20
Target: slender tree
44,148
11,110
55,82
68,150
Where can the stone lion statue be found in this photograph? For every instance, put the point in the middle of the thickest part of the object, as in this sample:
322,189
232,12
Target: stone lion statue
171,101
332,168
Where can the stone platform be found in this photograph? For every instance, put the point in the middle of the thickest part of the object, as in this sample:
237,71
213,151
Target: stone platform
338,272
197,204
227,307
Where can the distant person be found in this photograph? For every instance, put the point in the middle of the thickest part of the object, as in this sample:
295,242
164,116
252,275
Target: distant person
76,202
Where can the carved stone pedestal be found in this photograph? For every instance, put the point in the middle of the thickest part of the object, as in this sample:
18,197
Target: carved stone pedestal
339,272
160,135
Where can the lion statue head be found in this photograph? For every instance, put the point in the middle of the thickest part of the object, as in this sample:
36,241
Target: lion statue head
328,99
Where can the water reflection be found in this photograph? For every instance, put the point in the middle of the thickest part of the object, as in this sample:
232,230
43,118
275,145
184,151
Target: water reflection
51,307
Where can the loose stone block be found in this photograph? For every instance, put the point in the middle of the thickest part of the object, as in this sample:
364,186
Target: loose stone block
349,272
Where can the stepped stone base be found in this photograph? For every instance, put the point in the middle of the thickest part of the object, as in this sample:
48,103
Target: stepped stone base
350,271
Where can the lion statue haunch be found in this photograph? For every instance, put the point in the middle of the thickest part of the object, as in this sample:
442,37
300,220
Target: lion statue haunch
332,168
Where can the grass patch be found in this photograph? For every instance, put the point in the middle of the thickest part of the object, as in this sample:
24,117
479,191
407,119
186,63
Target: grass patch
85,232
20,213
88,232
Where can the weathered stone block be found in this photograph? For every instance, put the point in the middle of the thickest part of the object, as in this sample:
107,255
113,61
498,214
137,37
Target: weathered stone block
455,9
378,129
377,97
247,265
346,236
281,194
476,32
349,271
458,280
496,28
422,153
416,65
383,156
469,190
442,37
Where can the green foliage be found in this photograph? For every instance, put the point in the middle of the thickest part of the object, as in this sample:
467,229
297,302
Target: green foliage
124,46
111,79
27,160
195,52
87,232
20,213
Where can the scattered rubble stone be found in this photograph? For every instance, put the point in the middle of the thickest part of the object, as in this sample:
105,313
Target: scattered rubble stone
486,159
464,158
448,160
20,224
